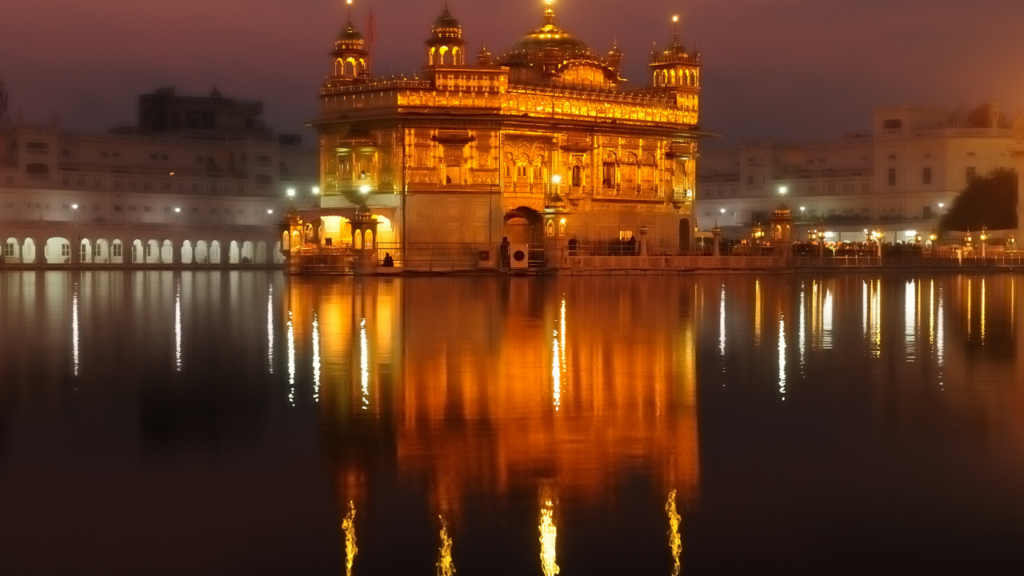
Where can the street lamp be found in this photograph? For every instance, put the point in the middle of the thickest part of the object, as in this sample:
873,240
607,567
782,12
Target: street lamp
177,210
270,212
783,190
291,192
316,190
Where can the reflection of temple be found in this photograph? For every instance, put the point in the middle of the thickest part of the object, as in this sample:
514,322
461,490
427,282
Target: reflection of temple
541,144
471,399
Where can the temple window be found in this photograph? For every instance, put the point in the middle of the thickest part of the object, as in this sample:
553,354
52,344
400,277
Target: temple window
577,176
608,175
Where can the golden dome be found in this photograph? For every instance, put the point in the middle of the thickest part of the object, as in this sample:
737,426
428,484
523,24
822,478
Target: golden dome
350,34
550,35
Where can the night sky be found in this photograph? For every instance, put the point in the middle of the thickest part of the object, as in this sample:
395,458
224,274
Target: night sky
779,68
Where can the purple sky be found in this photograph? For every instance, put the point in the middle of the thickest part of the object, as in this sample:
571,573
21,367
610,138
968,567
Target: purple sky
772,68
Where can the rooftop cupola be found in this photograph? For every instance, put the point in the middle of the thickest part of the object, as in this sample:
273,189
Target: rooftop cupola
675,68
351,60
445,46
614,58
483,57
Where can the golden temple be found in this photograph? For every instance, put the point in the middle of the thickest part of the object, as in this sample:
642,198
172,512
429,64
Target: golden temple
543,145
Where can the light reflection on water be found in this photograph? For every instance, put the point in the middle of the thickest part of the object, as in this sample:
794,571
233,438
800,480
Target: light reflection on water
480,400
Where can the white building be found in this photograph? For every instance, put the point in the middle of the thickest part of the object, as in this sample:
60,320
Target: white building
147,197
896,179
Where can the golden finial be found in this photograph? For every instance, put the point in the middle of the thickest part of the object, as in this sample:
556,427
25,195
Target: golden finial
549,13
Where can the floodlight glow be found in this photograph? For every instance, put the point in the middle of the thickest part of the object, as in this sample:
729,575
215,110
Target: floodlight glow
365,188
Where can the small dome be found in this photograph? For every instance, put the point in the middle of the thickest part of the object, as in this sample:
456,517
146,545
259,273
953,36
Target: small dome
350,34
446,21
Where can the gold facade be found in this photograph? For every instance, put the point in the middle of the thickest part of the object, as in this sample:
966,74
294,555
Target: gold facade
454,154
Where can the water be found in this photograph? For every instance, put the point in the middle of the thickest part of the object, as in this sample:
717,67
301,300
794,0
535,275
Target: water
244,423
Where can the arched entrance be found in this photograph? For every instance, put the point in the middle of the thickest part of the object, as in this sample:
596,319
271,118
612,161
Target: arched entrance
522,226
335,231
57,251
167,252
215,252
186,252
152,252
247,252
28,252
117,252
85,251
261,252
202,253
101,254
385,232
138,255
685,235
234,253
12,251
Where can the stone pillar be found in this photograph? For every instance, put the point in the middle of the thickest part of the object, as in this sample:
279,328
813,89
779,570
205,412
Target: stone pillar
76,248
716,234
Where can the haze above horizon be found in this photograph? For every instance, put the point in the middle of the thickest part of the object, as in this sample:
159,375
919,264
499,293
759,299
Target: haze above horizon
788,69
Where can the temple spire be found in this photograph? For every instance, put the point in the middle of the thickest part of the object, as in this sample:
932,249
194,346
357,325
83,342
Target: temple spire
549,13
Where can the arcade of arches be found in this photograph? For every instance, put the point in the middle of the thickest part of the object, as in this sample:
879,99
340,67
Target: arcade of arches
336,232
58,250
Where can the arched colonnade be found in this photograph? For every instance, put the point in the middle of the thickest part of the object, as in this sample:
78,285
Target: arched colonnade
60,250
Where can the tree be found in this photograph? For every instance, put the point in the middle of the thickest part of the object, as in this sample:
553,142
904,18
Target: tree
988,201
